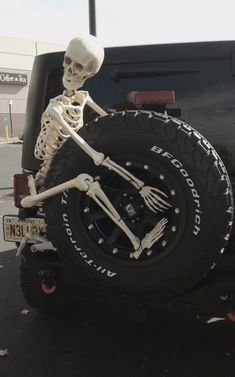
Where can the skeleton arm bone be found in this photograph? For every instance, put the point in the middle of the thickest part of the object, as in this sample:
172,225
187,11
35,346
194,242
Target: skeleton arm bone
150,195
55,111
93,105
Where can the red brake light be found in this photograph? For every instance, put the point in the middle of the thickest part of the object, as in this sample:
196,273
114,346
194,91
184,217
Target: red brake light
152,97
21,188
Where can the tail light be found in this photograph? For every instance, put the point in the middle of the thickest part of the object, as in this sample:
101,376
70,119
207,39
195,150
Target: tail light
21,188
152,97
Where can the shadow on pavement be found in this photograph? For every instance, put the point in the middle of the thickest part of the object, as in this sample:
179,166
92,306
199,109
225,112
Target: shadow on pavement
96,342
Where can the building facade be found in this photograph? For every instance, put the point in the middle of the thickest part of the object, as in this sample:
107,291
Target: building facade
16,61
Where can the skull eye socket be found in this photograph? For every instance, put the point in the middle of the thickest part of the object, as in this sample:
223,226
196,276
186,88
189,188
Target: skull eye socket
67,60
78,66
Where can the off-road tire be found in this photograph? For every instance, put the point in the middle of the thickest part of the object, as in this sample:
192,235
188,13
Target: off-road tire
165,153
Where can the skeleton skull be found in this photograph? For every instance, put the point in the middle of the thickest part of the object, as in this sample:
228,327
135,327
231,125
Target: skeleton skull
83,59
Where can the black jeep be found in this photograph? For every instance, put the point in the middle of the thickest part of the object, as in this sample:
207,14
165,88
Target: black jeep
170,122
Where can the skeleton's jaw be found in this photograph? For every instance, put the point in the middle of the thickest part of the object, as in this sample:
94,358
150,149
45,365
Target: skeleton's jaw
72,85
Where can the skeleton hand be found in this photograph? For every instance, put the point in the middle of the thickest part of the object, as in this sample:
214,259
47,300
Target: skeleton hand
152,198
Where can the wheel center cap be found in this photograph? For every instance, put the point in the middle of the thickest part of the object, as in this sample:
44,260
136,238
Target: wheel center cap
130,210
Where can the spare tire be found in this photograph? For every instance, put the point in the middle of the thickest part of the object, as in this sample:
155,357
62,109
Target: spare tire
165,153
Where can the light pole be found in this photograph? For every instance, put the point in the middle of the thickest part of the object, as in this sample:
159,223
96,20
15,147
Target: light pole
92,17
10,114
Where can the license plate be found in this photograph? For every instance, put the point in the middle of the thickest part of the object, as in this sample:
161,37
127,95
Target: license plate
15,229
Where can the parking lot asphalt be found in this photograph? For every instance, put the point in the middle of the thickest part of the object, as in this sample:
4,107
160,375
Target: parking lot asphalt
96,341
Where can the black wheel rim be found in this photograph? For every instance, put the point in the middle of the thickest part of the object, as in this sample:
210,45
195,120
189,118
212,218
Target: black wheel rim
108,237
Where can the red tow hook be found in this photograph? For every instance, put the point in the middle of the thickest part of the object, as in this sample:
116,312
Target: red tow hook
48,282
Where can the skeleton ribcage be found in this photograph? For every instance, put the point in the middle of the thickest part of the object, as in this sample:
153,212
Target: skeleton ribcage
51,136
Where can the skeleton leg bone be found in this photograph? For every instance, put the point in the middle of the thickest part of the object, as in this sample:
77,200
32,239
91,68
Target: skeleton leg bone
98,195
35,238
85,182
150,238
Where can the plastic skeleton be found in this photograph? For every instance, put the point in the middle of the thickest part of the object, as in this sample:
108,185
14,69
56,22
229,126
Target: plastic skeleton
62,118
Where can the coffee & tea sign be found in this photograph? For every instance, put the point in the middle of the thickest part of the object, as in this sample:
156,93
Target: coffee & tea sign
13,79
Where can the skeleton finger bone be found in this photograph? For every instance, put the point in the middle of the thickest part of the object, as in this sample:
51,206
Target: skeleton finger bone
152,198
150,238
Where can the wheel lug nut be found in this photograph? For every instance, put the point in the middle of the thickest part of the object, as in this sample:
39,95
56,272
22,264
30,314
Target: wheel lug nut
177,210
90,226
173,228
164,243
115,250
100,241
86,209
128,163
162,176
173,192
149,252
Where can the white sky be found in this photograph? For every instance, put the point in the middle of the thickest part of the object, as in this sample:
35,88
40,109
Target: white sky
120,22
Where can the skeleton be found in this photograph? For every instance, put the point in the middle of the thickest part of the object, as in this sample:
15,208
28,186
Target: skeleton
83,59
62,118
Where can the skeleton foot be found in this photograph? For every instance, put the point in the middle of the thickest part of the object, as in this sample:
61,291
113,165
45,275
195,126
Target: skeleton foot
34,238
150,238
152,198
